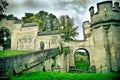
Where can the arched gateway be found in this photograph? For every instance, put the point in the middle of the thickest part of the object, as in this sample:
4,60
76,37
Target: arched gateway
5,38
82,59
81,45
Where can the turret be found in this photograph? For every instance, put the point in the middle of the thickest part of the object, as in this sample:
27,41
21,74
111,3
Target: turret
106,11
104,6
105,25
91,10
116,6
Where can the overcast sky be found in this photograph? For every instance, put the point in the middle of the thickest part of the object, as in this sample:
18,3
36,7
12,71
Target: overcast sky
78,9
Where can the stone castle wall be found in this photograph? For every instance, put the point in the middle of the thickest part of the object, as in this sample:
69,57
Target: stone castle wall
26,37
105,25
106,11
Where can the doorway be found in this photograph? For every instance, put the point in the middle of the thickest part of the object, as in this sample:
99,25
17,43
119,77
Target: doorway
82,59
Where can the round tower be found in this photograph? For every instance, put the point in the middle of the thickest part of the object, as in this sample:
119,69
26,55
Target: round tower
105,24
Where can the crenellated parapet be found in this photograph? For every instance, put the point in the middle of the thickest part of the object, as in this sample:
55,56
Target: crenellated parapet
106,12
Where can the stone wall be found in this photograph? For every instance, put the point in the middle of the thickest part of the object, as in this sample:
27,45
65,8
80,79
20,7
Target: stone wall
27,36
47,60
105,25
50,41
24,38
106,11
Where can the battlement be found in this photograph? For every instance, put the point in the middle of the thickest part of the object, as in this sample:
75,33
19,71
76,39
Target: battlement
29,24
106,12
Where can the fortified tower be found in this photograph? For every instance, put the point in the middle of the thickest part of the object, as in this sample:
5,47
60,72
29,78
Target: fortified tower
105,25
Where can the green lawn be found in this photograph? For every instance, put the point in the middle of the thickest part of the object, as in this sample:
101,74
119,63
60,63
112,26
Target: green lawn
9,53
82,65
65,76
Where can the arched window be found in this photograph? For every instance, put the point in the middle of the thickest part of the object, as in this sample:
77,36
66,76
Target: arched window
5,38
42,45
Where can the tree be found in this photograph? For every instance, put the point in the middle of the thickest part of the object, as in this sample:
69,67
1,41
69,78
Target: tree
54,22
40,18
46,21
68,30
12,17
29,17
3,6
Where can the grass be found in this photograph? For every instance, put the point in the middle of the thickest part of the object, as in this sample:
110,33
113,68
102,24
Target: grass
83,65
9,53
65,76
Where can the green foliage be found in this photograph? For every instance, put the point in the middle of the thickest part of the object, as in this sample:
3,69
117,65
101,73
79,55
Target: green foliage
3,6
49,22
9,53
69,30
5,40
65,76
65,50
81,61
12,17
55,51
82,65
45,20
9,17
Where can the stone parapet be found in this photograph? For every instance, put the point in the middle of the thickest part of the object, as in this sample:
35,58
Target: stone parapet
105,12
19,63
40,33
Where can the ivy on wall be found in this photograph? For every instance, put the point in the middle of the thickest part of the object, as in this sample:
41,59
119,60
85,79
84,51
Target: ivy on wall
65,50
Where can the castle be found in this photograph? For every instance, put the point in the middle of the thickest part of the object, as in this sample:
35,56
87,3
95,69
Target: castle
101,34
28,37
105,28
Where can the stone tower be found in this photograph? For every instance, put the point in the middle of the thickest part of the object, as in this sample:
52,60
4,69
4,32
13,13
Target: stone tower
105,25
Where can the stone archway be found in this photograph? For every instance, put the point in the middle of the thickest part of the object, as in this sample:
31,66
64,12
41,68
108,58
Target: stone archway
5,38
82,59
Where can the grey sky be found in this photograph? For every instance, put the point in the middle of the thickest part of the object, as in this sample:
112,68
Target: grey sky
78,9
